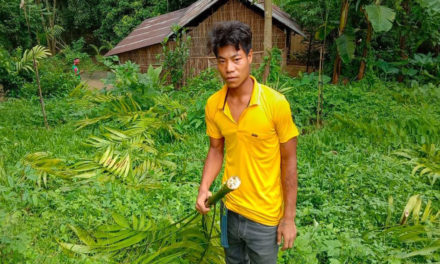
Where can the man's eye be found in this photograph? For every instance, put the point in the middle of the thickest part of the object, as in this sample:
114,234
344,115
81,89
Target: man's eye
237,59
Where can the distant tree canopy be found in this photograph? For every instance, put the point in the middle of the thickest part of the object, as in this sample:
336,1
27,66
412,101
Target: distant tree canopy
96,21
362,36
414,28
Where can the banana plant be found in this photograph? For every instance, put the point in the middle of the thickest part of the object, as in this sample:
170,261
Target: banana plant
379,19
344,45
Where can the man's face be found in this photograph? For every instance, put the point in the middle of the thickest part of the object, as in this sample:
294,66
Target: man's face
76,61
233,65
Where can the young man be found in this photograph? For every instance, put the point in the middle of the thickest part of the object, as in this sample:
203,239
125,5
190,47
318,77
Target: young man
75,68
254,123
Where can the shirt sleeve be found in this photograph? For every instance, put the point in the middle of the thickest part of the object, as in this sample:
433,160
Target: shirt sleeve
284,125
211,127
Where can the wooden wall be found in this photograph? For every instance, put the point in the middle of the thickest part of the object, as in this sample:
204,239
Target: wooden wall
144,56
232,10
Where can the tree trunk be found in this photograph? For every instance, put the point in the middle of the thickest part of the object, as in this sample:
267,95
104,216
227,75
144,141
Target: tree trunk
52,25
51,42
361,72
40,93
309,50
402,39
43,23
267,36
320,87
342,23
37,75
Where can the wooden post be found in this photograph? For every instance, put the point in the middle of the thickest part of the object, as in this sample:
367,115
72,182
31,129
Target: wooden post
267,36
309,50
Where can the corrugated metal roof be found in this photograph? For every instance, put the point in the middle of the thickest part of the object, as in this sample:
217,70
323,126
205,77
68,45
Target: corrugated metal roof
154,30
150,32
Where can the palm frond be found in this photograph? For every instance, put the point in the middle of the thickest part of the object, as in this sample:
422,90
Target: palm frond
80,90
26,63
418,229
168,108
45,166
122,139
110,238
90,121
168,242
123,108
102,98
425,159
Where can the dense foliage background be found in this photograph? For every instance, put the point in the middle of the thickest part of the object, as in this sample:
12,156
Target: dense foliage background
119,166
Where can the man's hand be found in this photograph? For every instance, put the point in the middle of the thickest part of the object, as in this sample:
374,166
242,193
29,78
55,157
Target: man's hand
202,198
287,232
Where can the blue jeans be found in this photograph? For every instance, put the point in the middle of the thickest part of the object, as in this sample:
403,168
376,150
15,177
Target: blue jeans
250,242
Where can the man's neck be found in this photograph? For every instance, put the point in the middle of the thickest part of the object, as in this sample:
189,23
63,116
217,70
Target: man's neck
244,89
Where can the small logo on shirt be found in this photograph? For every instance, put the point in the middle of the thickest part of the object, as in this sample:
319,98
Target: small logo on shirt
254,135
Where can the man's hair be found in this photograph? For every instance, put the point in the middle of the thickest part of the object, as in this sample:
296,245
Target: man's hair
75,59
233,33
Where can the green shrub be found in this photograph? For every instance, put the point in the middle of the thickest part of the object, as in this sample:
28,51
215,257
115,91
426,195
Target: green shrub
174,59
75,50
196,93
8,77
127,78
54,80
275,66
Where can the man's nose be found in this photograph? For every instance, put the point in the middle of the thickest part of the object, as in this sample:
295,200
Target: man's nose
229,66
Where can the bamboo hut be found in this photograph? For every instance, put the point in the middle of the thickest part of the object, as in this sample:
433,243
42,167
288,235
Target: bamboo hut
143,44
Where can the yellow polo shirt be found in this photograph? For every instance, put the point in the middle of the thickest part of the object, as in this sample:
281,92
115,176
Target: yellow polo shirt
253,150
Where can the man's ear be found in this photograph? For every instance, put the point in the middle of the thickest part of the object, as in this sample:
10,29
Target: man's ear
250,56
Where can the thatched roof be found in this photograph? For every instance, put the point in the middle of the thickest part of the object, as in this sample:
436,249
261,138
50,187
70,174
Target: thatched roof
154,30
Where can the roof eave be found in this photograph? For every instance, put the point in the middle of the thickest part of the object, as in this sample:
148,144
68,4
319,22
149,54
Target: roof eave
292,25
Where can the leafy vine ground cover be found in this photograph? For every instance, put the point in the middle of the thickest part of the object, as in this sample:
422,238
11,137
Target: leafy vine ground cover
347,171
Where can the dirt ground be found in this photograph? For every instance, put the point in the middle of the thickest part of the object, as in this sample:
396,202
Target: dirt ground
94,80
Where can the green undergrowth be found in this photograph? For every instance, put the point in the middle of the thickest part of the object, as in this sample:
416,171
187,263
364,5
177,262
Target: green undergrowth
347,171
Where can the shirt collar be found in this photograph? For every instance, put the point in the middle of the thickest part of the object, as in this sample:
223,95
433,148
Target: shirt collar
255,97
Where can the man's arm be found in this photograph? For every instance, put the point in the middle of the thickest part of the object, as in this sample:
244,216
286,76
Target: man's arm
213,165
289,181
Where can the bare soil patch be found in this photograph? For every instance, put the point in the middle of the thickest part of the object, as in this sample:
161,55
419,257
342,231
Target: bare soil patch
95,79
